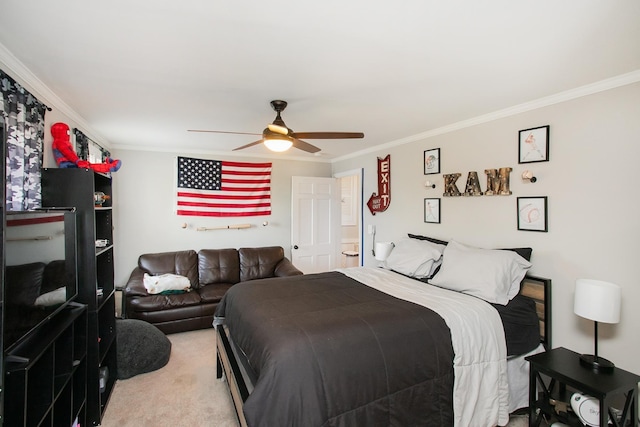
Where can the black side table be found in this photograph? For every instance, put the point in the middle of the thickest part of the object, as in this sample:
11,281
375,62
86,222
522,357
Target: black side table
563,366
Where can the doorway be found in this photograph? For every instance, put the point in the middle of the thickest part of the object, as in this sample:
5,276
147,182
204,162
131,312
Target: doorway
350,248
315,223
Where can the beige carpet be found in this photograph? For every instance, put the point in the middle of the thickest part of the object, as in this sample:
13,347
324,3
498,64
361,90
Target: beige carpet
184,393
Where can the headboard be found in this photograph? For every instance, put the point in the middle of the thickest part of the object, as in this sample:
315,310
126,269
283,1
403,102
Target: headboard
539,290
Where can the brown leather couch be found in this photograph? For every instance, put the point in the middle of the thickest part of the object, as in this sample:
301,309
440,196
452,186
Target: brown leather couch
210,271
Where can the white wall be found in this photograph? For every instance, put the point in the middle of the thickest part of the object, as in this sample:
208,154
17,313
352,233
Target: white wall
592,184
145,221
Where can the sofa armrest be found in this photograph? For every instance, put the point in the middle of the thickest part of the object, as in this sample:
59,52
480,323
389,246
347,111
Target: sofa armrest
286,268
135,284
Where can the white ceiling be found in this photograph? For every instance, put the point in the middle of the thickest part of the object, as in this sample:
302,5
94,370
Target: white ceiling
141,72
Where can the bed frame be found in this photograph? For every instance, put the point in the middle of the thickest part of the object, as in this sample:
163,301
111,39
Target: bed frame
240,379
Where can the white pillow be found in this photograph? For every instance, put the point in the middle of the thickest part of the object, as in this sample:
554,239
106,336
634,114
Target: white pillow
415,258
165,282
52,298
491,274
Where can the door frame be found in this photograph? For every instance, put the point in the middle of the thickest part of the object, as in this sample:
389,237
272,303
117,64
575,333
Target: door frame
360,173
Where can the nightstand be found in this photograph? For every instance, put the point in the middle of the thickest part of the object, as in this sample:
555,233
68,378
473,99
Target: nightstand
563,367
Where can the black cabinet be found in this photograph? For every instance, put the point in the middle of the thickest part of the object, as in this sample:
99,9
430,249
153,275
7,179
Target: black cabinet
45,376
564,370
78,188
2,235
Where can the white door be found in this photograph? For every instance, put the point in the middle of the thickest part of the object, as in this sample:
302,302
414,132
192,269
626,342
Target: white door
315,223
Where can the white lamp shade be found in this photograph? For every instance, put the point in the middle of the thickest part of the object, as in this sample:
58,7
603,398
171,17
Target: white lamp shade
597,300
278,144
383,249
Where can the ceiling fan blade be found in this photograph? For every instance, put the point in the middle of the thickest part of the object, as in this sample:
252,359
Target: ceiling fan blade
222,131
327,135
304,146
249,145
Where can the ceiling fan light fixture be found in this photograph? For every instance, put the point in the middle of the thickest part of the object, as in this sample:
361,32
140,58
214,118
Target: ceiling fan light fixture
278,129
278,144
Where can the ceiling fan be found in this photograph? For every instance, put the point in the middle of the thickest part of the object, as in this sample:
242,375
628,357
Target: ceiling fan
278,137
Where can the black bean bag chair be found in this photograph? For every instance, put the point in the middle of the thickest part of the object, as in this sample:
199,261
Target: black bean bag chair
141,348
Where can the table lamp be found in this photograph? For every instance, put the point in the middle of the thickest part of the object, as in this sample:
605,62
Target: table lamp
598,301
382,250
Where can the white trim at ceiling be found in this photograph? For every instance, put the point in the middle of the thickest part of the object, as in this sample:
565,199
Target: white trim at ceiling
611,83
23,75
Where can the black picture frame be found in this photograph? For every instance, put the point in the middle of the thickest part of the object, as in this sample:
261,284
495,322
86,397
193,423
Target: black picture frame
532,213
431,161
533,145
432,210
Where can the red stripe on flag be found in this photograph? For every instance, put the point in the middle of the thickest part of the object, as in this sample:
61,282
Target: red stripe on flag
247,181
225,205
221,196
223,214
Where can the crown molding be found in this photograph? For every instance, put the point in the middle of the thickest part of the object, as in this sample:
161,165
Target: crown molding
12,65
590,89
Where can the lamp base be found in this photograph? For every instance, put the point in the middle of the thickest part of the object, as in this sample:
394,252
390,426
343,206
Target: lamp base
596,363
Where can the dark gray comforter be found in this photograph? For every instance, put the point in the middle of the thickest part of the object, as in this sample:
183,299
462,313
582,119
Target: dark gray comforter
330,351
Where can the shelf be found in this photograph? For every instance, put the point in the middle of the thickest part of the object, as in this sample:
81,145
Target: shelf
100,251
44,379
95,272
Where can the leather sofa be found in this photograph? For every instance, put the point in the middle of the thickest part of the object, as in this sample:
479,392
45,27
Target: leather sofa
211,272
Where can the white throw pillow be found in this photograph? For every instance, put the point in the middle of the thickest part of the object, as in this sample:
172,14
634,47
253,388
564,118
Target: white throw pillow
52,298
165,282
415,258
491,274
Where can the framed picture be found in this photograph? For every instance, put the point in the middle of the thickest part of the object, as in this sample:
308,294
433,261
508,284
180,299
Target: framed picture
432,161
532,213
533,145
432,210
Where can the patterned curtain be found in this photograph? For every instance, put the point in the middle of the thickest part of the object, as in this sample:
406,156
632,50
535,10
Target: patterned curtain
23,116
82,144
85,147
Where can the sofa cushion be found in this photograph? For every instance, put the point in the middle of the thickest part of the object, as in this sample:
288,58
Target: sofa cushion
213,293
23,283
165,302
54,276
259,263
184,263
218,266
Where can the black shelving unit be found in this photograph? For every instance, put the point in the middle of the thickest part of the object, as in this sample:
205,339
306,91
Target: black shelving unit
45,376
3,140
76,187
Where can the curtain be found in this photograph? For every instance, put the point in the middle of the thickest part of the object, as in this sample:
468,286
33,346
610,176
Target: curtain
85,147
82,144
23,117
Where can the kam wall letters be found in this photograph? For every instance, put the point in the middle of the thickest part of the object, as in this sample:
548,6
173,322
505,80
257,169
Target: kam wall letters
497,183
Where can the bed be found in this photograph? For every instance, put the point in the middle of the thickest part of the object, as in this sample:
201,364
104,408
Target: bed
373,346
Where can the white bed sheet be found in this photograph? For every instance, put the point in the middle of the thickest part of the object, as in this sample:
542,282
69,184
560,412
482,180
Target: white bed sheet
518,378
481,390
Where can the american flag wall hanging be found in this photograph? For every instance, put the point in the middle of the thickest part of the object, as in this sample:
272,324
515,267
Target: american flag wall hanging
223,189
